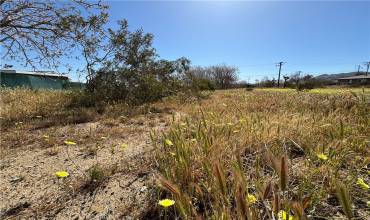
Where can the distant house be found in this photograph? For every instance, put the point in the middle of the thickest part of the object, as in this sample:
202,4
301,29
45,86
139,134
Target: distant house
36,80
355,80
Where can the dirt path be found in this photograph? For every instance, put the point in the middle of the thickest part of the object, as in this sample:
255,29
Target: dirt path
30,189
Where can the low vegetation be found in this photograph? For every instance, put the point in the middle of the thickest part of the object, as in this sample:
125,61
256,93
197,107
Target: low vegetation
299,153
267,154
231,154
43,108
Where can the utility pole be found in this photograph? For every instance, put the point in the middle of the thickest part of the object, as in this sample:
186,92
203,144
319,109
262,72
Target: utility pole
358,69
279,64
367,67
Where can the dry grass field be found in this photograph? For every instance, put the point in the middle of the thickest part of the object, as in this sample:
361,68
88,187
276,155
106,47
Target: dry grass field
262,154
257,154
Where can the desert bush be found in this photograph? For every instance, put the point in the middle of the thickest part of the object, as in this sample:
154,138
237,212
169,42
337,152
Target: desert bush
203,84
133,87
296,81
266,82
132,73
199,78
97,174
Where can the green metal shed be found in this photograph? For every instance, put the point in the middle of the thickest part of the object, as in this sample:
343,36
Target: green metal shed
35,80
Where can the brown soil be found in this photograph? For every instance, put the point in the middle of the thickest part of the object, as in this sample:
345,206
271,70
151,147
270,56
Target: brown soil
30,189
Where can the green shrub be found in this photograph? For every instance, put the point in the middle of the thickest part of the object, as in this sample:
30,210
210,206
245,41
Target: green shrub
97,174
203,84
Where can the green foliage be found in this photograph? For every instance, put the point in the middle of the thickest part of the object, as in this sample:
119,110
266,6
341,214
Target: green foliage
131,73
134,87
295,80
203,84
344,198
97,174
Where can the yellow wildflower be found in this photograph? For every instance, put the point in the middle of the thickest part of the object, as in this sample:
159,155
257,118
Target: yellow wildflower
123,146
166,202
168,142
193,140
251,198
322,156
360,182
69,143
283,215
62,174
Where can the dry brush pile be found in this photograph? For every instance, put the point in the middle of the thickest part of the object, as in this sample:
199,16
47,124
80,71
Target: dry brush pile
268,155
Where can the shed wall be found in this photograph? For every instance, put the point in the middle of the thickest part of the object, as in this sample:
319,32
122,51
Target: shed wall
14,80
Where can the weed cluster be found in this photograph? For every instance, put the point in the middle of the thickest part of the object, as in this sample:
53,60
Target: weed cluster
266,154
43,108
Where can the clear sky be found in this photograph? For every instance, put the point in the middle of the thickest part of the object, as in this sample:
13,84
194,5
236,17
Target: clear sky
313,37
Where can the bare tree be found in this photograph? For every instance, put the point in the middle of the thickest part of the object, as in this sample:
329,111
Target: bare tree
224,76
199,72
295,77
38,32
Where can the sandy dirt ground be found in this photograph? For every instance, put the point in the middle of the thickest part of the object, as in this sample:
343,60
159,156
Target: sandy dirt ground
29,188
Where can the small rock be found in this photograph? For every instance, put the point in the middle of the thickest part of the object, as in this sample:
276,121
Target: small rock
143,189
16,179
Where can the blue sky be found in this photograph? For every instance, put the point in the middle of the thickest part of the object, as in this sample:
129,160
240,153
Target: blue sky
313,37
